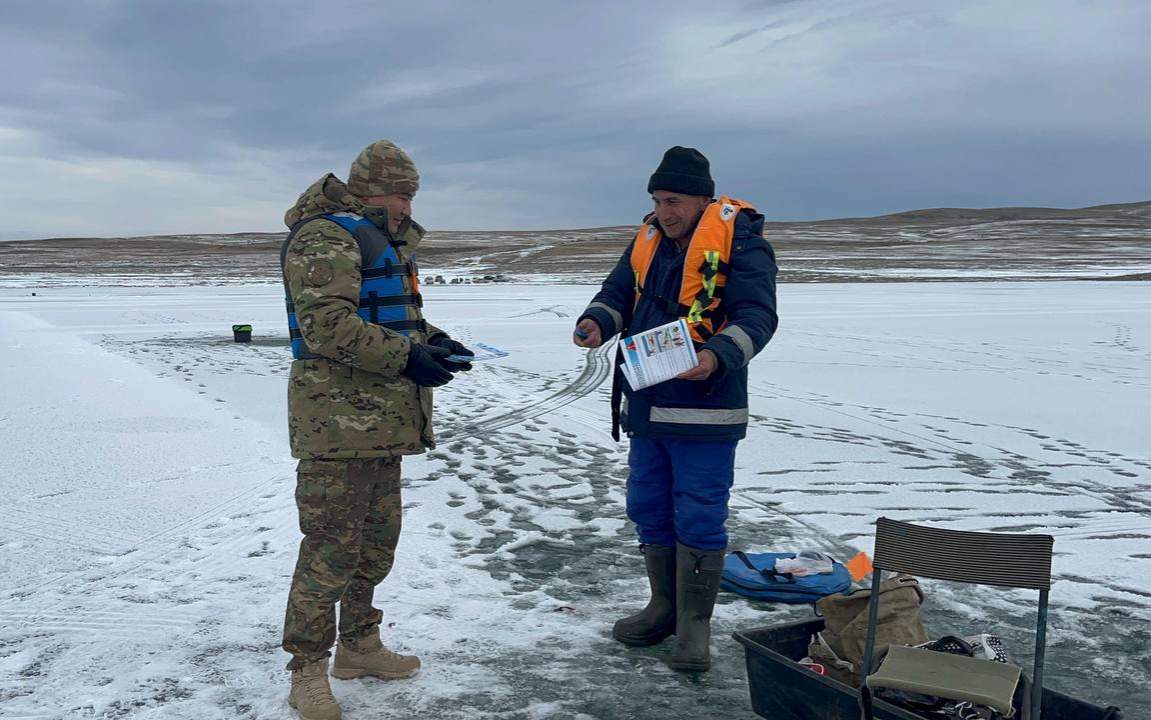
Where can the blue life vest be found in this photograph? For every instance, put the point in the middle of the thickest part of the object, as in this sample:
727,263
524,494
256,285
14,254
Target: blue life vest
389,287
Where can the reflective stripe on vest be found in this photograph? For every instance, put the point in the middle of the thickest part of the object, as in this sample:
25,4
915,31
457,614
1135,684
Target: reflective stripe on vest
389,287
705,268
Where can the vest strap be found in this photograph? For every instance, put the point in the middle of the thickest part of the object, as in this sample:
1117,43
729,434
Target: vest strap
374,300
721,268
390,269
675,308
617,390
418,325
416,299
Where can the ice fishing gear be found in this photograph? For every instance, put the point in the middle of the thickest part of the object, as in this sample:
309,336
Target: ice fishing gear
755,575
242,333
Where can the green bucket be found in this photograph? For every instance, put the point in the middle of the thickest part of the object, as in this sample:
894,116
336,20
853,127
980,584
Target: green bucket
242,333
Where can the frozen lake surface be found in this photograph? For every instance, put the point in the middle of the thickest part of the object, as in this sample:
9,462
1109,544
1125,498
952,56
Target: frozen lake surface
148,528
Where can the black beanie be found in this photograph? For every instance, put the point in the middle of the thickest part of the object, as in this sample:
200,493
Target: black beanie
683,170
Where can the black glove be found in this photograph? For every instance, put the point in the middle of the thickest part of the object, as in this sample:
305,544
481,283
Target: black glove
426,366
454,347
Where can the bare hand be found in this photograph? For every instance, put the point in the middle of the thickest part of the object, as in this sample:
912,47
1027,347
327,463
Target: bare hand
707,365
592,335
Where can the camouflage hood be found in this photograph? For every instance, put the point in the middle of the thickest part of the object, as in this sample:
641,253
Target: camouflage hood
329,194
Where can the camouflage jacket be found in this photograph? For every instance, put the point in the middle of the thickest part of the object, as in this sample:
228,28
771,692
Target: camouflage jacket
353,402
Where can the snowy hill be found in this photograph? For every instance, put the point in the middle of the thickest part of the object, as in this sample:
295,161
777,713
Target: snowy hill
1103,242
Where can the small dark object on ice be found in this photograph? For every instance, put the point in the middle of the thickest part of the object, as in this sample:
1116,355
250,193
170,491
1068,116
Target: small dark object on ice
242,333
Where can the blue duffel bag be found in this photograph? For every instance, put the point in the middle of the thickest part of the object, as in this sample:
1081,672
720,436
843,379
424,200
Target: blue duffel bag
753,575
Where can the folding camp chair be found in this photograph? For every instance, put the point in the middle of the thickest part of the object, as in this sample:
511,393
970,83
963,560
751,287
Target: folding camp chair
1006,560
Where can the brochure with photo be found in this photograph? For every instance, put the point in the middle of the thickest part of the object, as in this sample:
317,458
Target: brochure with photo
658,355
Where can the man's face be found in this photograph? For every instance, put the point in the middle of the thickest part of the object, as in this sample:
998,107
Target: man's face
398,205
677,213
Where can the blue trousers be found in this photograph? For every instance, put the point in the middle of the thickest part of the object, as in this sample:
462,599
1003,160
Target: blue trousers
678,490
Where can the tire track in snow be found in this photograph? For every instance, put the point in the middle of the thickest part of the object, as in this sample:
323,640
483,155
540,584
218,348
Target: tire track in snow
597,367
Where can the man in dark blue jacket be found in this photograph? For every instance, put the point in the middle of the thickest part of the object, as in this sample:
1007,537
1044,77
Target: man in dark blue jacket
684,431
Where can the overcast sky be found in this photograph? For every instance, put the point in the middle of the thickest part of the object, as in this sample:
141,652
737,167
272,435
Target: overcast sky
181,117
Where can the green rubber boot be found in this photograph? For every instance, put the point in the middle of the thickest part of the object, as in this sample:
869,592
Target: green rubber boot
655,622
698,573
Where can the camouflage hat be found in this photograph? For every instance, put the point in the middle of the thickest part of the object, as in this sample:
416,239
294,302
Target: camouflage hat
382,168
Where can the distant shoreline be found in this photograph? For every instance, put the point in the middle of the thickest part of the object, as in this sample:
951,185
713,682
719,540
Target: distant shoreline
1107,243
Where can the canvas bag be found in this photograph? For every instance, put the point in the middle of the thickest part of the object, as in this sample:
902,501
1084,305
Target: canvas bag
839,648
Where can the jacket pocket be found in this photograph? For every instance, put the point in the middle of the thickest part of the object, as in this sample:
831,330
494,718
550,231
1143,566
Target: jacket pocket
313,480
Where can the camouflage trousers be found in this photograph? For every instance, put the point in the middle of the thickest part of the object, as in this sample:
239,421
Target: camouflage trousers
350,514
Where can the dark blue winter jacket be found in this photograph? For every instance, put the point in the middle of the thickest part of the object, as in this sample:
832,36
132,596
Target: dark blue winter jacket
715,408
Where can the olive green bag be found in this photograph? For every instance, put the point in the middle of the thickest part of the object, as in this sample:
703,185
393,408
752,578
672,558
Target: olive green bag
839,648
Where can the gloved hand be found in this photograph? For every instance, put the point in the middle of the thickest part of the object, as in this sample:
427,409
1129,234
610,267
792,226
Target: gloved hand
426,365
454,347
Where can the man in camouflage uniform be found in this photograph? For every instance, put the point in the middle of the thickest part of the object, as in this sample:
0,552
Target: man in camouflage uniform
359,398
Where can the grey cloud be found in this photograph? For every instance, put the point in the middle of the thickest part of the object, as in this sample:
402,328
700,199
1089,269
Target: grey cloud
535,114
745,34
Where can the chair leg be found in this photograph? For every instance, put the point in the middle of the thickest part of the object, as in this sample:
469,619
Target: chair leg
1040,653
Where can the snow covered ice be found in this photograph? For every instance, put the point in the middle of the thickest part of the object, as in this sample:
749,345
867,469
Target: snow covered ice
149,527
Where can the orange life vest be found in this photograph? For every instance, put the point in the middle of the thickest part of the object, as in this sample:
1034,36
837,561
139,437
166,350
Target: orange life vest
705,268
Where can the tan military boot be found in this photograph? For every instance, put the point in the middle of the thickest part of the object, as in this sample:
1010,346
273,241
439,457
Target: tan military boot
311,694
368,657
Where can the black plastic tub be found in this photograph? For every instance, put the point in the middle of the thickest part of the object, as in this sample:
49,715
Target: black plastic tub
782,689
